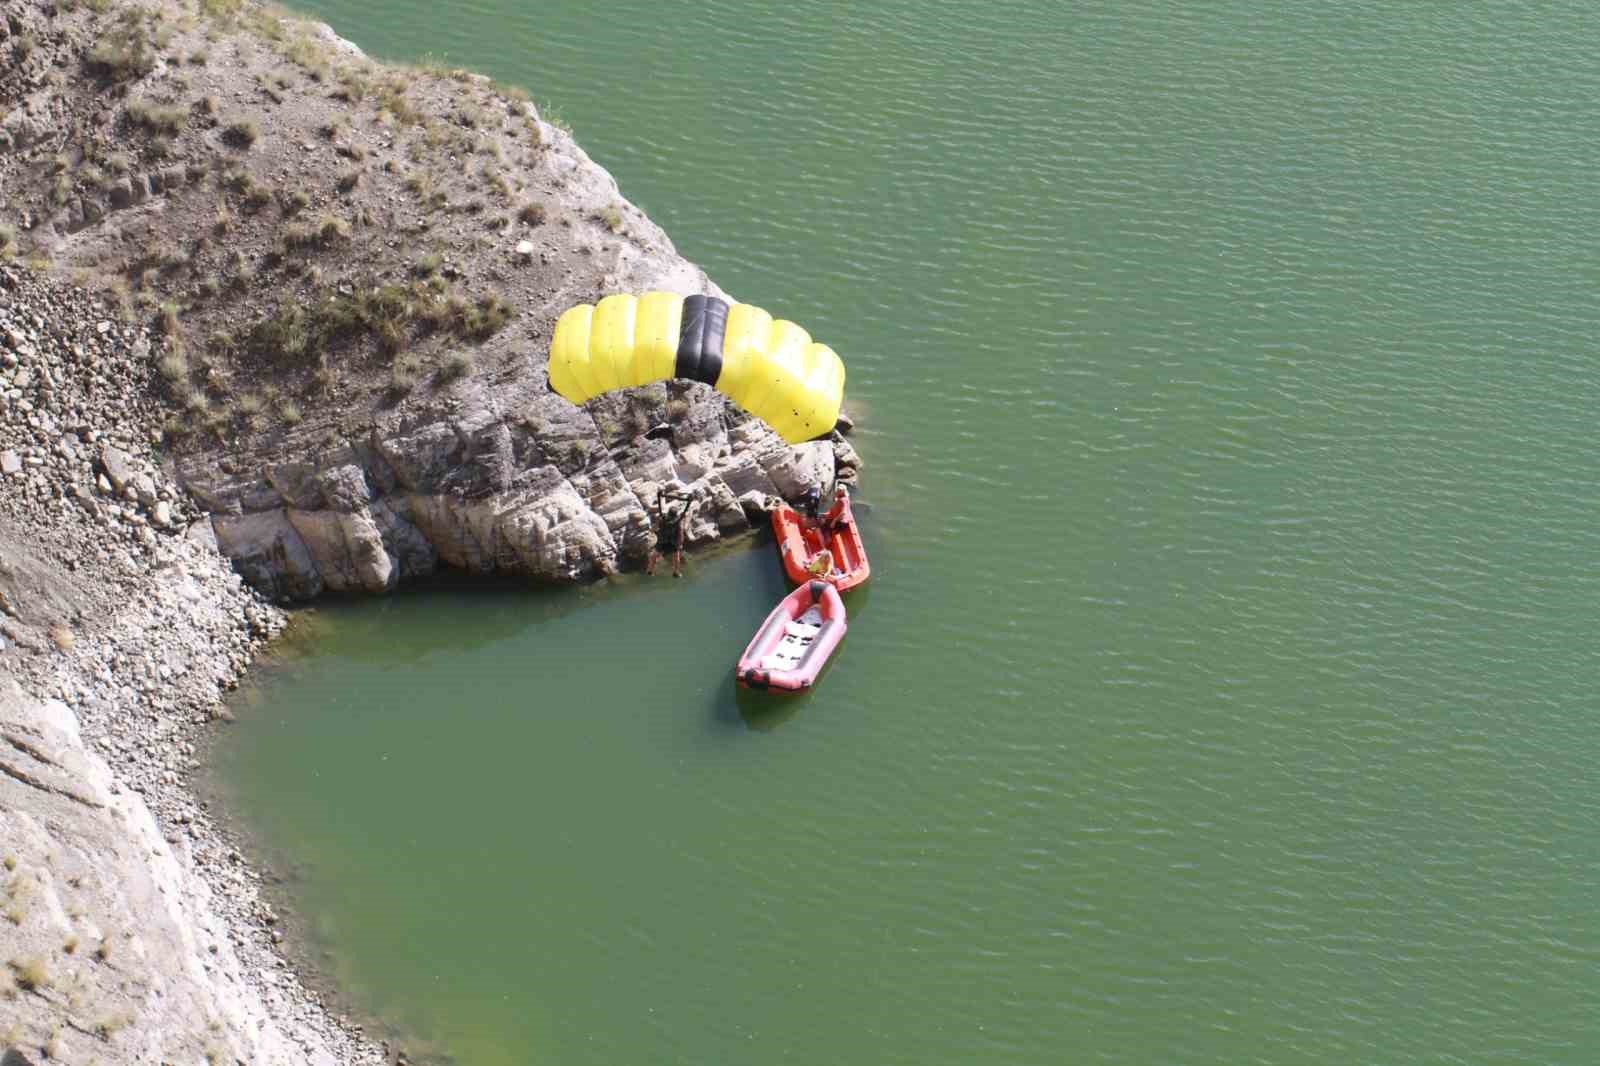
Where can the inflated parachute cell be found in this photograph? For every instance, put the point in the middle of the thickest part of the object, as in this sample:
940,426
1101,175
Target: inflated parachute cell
770,367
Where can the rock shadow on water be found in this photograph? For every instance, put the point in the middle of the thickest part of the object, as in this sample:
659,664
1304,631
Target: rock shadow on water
469,611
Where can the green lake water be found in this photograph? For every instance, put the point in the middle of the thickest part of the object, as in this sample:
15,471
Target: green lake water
1226,688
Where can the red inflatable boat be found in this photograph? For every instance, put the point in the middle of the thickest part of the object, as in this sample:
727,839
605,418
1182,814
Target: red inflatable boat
800,541
790,648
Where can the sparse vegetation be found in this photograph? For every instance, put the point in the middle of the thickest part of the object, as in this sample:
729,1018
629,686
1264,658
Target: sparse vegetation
456,366
173,367
387,293
241,134
128,50
511,91
402,379
308,53
19,899
61,190
390,314
611,217
32,973
392,100
256,197
167,321
353,86
111,1024
253,194
158,118
556,120
251,408
328,230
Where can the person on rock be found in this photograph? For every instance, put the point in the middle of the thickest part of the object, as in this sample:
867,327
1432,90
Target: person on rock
671,527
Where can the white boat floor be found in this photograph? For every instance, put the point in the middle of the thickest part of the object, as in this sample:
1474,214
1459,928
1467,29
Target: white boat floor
797,637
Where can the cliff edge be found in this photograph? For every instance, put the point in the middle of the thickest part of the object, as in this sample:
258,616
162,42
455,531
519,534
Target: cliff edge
271,309
350,273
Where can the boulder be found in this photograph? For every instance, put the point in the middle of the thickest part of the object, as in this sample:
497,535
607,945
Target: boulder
801,467
269,553
344,487
118,465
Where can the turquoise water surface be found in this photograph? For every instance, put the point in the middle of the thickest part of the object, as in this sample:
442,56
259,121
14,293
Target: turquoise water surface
1225,688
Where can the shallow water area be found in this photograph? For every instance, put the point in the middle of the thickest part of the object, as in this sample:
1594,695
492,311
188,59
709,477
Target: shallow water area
1223,690
493,747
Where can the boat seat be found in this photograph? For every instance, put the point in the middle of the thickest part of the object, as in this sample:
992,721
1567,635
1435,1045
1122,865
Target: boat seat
800,629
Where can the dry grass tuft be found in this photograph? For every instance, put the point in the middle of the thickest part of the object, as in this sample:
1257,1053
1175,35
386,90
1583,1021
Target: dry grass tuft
32,973
157,118
111,1024
456,366
128,50
241,134
61,636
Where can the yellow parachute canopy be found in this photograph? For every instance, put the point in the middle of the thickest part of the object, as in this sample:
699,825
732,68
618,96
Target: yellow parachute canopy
771,368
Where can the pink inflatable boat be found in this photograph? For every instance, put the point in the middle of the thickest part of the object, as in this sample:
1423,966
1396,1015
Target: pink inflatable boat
790,648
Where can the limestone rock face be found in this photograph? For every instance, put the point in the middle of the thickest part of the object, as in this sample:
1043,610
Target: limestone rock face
515,481
268,551
110,911
806,465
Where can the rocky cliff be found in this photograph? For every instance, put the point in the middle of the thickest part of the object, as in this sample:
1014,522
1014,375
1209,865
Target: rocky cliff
350,273
517,481
130,929
284,308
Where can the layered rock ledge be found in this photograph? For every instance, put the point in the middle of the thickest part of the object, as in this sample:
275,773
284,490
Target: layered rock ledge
518,481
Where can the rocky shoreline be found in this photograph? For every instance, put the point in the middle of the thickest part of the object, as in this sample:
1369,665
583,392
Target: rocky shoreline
133,930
